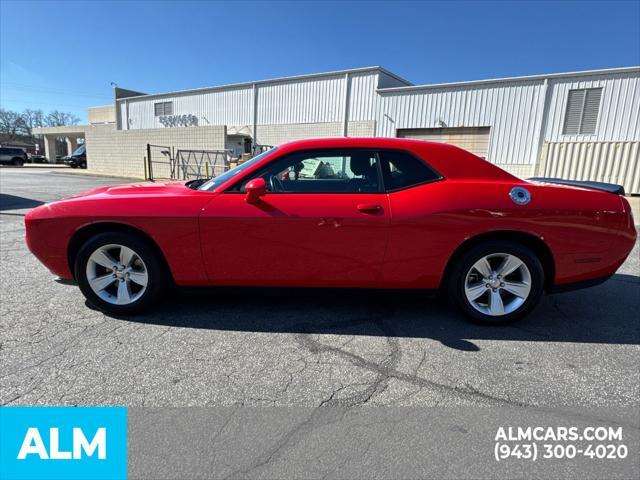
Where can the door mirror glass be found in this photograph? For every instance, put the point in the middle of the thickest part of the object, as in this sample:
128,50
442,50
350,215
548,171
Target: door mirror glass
255,188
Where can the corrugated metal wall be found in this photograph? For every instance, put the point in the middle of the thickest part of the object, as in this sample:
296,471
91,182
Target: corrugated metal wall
312,100
513,111
364,102
619,113
611,162
232,106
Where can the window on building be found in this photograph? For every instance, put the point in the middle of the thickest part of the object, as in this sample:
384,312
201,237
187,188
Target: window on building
402,170
581,116
163,108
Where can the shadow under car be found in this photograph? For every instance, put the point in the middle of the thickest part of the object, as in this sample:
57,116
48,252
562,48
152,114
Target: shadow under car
567,317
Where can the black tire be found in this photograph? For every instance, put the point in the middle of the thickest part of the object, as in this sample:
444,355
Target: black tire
158,277
18,162
458,275
83,165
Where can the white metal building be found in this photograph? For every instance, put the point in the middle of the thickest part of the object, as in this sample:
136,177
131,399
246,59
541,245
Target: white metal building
581,125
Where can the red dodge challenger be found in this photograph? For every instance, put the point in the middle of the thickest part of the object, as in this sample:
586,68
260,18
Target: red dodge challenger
344,212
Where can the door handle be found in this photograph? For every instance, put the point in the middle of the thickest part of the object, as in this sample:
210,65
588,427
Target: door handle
369,208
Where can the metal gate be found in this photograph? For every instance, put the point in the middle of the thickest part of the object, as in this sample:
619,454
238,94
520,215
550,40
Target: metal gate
194,164
165,163
158,162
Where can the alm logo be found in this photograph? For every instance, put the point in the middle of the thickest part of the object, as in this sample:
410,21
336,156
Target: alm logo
63,443
33,445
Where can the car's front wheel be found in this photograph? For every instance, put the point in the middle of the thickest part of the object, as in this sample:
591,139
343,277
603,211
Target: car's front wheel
120,273
497,282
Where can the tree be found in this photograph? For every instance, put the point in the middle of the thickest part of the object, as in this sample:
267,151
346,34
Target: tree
57,118
32,119
12,124
16,126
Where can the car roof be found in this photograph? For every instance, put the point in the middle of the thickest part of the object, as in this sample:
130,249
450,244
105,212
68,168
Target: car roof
373,142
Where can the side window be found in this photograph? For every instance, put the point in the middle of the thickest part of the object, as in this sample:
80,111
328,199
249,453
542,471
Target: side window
324,171
402,170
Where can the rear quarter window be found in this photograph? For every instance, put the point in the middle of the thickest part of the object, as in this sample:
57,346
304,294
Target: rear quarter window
403,170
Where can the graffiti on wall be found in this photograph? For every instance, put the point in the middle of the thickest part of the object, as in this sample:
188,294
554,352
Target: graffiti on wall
187,120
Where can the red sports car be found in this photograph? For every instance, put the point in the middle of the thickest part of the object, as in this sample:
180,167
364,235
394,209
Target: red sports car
345,212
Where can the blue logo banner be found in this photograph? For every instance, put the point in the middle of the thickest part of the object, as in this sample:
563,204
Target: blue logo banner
63,443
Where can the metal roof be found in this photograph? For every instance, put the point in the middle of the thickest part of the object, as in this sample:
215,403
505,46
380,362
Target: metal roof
272,80
603,71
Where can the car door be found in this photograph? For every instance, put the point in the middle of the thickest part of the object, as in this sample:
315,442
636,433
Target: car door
323,222
420,236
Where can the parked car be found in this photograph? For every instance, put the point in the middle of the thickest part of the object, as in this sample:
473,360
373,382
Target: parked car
379,213
38,159
78,159
12,156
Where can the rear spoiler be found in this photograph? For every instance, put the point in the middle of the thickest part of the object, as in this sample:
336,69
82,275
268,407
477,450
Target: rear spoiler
605,187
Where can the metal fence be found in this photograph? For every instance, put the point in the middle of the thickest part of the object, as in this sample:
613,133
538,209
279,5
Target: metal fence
194,164
166,163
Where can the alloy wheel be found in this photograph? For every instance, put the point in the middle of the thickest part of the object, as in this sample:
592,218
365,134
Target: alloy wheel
498,284
117,274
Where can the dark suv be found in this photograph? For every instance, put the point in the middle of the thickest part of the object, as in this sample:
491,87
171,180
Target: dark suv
78,158
12,156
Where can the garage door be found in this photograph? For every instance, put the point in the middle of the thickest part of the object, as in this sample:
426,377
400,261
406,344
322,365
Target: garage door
473,139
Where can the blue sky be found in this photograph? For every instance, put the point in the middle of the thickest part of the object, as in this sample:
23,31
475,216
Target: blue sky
63,55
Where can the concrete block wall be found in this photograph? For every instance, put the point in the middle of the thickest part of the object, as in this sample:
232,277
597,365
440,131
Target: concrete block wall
122,152
104,114
277,134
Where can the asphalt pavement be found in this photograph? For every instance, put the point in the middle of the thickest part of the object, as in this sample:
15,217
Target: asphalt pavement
298,348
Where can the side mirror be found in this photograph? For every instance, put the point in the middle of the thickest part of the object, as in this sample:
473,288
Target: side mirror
256,188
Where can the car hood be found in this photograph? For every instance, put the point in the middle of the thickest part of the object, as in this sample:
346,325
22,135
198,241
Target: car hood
135,189
135,199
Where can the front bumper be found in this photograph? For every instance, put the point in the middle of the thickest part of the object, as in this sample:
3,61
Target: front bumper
43,240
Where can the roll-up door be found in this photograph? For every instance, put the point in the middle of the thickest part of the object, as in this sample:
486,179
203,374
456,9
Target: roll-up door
472,139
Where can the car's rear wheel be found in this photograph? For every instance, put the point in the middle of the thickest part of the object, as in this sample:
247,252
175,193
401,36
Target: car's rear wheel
120,273
497,282
18,162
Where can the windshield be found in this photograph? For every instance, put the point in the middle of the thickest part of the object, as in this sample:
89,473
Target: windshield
220,179
78,151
